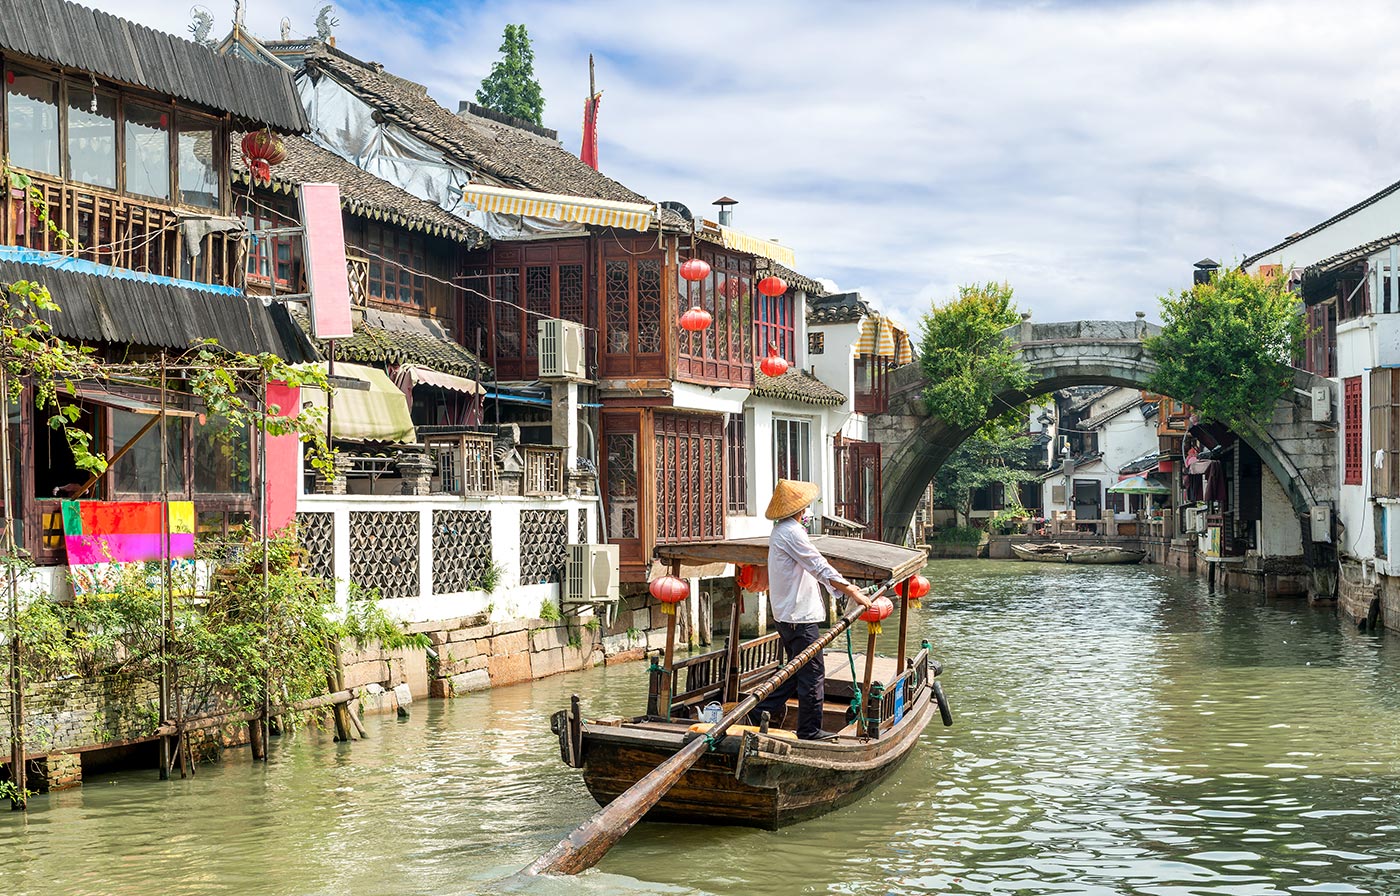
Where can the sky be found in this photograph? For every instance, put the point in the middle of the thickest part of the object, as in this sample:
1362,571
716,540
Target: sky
1086,152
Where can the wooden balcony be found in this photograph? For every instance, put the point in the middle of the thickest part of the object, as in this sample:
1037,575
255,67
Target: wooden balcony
107,228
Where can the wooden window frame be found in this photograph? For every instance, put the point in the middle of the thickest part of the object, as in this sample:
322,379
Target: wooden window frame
872,392
736,450
804,424
723,353
515,274
775,323
383,255
616,309
690,477
1385,431
1353,461
266,216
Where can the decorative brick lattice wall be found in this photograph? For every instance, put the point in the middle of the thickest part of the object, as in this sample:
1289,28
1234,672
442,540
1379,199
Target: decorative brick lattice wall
384,551
544,545
583,526
461,549
316,532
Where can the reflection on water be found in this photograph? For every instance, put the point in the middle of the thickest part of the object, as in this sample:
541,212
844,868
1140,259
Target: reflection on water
1120,730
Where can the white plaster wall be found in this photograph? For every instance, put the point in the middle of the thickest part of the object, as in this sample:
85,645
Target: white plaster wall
835,366
726,400
1370,223
1356,341
1126,438
510,600
1279,532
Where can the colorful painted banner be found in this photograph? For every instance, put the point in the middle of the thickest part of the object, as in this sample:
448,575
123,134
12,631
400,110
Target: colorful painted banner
105,538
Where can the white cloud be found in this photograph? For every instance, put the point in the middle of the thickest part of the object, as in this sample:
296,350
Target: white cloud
1087,153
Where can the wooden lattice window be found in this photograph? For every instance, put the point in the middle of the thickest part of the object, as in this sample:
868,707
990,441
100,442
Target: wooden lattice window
397,259
1385,431
632,285
736,446
534,283
777,324
872,388
724,351
1352,430
507,313
689,477
622,467
544,471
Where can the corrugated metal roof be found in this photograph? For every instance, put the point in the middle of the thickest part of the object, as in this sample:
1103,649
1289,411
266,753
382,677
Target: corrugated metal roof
159,313
75,36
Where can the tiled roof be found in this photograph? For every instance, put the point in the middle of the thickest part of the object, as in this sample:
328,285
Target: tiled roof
90,40
363,194
840,308
384,338
1355,254
1345,213
515,155
795,385
792,278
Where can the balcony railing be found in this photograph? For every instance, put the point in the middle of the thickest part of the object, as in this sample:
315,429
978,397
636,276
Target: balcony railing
544,470
107,228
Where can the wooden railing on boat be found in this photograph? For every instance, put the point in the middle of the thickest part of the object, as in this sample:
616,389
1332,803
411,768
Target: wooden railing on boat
889,703
700,678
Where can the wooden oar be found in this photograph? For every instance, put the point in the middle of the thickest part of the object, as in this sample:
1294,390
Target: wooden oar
590,841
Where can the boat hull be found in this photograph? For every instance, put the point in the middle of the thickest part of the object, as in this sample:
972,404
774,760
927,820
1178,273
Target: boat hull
750,780
1077,554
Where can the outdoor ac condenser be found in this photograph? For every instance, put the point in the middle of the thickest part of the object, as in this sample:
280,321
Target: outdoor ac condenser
591,574
561,349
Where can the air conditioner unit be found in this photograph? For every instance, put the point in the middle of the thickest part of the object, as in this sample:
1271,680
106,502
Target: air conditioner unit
1322,404
1195,518
561,349
591,574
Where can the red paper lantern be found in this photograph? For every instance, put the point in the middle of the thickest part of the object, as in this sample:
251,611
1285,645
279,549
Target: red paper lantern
696,319
774,364
1165,466
730,288
670,590
918,587
879,610
772,286
752,578
262,150
694,269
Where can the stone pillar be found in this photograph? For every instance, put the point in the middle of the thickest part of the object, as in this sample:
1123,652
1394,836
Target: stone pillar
416,470
1027,328
1140,326
564,418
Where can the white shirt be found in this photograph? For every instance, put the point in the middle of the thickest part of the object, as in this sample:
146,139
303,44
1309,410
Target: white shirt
794,568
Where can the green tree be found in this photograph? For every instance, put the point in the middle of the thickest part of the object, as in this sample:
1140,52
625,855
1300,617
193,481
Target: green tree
966,357
511,87
1227,345
997,453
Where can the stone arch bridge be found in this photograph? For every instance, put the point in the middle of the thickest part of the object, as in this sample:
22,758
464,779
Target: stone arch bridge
1300,453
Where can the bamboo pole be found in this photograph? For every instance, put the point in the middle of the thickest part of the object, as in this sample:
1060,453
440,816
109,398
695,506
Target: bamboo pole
202,723
869,675
16,672
903,623
260,747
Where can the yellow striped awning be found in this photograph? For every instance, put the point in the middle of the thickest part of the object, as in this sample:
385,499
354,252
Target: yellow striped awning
734,239
578,209
879,336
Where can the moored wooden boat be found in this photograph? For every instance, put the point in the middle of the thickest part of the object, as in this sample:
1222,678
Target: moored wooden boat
1052,552
763,776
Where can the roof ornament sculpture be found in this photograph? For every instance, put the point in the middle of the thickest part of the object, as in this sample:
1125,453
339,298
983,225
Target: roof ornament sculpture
325,22
200,26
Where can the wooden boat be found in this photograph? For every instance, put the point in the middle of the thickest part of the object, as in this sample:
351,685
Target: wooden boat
1053,552
763,776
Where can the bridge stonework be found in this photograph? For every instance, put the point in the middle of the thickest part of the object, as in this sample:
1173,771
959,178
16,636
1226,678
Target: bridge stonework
1302,454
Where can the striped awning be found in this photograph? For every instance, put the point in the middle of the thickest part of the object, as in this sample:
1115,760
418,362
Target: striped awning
580,210
734,239
881,337
376,413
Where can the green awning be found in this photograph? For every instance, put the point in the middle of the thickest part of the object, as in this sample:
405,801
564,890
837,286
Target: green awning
377,414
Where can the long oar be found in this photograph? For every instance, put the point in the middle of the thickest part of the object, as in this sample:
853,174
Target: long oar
590,841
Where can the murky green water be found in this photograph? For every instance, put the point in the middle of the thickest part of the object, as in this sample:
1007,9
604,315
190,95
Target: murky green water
1120,730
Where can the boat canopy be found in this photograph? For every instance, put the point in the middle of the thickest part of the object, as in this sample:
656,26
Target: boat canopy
856,558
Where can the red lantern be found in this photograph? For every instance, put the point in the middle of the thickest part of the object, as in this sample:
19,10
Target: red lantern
752,578
918,587
880,609
696,319
772,286
694,269
262,150
730,288
670,590
774,364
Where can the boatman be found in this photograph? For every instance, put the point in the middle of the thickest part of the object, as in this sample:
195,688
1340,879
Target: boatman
794,569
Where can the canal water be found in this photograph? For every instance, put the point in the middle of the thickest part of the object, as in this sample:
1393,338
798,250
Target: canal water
1119,730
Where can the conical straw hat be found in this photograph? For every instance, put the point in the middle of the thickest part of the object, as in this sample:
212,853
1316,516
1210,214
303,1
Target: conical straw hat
790,497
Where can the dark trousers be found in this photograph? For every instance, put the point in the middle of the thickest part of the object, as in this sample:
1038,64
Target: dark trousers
809,682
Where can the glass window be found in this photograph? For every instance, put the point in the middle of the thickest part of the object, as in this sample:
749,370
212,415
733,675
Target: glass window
31,120
791,449
199,161
223,459
92,137
147,151
138,471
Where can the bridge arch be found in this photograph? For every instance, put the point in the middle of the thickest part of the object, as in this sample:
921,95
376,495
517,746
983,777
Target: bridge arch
1299,452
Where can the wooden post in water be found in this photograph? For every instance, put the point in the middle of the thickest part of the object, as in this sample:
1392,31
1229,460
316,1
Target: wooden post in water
167,604
732,676
668,676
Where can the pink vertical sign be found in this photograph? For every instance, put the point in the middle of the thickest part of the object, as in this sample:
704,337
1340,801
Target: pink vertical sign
326,273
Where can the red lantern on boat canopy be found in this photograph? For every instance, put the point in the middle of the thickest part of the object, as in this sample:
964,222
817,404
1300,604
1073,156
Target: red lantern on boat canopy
918,587
752,578
879,610
261,150
670,590
696,319
773,364
772,286
694,269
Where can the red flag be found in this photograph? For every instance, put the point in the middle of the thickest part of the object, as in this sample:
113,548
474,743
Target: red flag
589,152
